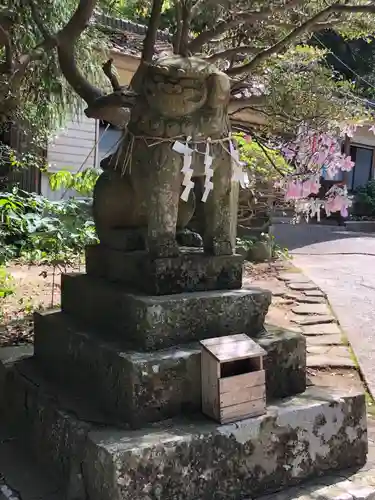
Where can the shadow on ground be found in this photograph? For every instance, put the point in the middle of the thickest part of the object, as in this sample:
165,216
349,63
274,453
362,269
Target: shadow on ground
295,236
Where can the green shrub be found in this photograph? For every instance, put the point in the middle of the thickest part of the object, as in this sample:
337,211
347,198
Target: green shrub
6,283
364,202
261,249
36,229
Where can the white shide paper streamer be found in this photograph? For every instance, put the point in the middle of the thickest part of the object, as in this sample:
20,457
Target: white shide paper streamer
209,172
186,169
239,175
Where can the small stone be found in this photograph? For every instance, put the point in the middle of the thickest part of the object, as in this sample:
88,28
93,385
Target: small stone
303,299
312,300
295,493
364,478
313,320
321,329
261,251
334,351
311,309
280,301
323,361
316,340
294,277
362,493
302,286
293,295
314,293
331,493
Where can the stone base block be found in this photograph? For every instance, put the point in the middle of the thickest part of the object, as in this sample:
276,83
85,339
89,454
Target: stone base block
285,363
50,423
138,388
152,323
297,439
192,271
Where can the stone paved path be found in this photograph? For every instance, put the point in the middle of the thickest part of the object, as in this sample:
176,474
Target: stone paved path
300,305
342,264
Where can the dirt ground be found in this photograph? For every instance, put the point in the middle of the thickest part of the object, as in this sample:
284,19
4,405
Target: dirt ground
36,288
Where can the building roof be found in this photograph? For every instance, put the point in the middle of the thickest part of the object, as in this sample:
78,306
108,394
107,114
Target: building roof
126,37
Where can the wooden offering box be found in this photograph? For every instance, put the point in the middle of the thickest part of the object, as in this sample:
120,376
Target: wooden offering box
233,379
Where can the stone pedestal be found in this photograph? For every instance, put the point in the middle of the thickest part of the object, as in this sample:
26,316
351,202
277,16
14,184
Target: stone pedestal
156,322
193,271
111,397
150,386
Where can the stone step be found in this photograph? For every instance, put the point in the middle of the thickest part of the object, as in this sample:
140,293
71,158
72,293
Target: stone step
192,271
299,437
21,478
296,440
141,387
158,322
50,422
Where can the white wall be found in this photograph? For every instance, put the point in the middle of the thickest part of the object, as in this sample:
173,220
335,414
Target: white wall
73,148
364,140
109,142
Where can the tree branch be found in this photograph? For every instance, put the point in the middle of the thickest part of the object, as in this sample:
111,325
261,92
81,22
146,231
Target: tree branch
7,19
228,53
66,40
187,12
264,149
195,8
109,73
178,34
113,108
241,17
20,68
298,31
7,65
78,22
317,27
153,26
353,9
38,20
148,44
6,23
237,104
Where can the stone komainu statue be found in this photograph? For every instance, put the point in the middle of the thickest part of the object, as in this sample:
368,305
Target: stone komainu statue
137,198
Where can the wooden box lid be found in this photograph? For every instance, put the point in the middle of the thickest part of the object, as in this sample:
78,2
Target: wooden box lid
233,347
